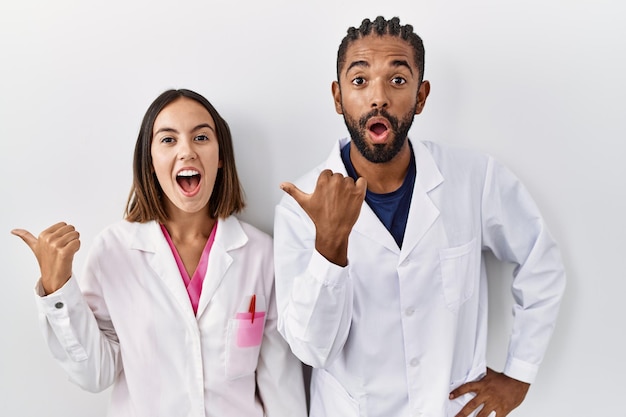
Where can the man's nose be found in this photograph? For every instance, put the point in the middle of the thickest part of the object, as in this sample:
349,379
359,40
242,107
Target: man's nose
380,97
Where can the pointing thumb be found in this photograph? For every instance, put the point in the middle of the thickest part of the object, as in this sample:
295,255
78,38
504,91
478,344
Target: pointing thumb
26,236
297,194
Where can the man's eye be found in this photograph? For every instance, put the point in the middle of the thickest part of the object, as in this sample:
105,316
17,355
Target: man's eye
398,80
202,138
358,81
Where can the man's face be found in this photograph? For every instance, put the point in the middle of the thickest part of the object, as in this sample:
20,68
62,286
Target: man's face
378,94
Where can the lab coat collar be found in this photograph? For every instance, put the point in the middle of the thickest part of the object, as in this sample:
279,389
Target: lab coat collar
228,237
422,213
148,237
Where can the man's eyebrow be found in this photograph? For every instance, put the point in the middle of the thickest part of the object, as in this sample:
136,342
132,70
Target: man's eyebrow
396,63
402,63
363,64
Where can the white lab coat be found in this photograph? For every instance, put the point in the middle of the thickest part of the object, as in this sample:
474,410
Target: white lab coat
135,328
396,330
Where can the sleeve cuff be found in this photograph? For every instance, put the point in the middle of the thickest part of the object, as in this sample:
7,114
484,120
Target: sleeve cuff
520,370
326,272
58,300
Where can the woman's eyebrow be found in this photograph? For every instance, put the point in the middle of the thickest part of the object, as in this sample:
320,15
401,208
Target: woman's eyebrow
202,126
166,129
172,130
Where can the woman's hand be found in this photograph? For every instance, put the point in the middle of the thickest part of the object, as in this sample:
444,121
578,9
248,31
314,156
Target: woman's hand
54,249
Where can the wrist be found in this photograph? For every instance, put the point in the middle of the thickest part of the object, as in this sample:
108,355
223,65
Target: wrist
50,286
335,251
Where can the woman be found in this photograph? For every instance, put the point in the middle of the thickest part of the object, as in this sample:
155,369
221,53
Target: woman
176,305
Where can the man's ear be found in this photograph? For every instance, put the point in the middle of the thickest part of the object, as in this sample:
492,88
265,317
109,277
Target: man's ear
422,95
337,97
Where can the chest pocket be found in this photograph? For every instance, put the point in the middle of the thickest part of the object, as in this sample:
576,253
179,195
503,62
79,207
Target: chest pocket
244,338
458,273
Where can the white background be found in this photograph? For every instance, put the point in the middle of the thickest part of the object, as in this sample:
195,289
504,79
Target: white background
538,84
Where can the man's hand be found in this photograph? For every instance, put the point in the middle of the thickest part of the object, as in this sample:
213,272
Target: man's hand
496,392
54,249
334,207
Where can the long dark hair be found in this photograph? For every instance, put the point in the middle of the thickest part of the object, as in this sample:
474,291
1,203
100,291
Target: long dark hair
145,202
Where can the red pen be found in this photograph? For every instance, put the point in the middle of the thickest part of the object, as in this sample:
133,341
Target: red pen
252,307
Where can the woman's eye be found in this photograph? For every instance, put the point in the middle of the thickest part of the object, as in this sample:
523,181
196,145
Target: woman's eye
398,80
167,139
202,138
358,81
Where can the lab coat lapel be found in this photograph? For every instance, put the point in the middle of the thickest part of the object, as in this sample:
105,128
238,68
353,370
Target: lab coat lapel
368,223
229,236
150,240
423,212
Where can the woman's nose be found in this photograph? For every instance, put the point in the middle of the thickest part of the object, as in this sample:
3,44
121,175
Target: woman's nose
186,152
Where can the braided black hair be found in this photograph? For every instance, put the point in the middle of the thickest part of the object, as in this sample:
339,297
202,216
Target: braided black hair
381,27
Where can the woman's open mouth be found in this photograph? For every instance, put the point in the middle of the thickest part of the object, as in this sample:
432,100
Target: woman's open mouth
189,181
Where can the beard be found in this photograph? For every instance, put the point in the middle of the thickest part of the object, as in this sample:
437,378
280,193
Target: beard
379,153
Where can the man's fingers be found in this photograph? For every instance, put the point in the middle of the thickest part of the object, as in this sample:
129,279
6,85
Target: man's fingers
26,236
462,390
469,408
297,194
361,185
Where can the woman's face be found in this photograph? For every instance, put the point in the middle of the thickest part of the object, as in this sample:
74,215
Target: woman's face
185,155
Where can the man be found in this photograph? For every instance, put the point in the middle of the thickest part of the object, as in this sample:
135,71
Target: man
380,279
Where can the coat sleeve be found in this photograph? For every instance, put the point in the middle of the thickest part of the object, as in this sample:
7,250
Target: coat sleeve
279,372
84,344
314,296
514,231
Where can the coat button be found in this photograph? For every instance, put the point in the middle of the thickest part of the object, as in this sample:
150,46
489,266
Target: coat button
409,311
414,362
59,305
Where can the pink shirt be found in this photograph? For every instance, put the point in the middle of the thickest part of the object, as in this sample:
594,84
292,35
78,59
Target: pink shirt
193,284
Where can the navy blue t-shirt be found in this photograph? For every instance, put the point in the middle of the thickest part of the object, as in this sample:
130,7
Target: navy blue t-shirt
391,208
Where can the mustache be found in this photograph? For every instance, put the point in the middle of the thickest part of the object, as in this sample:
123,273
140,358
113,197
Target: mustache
393,121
